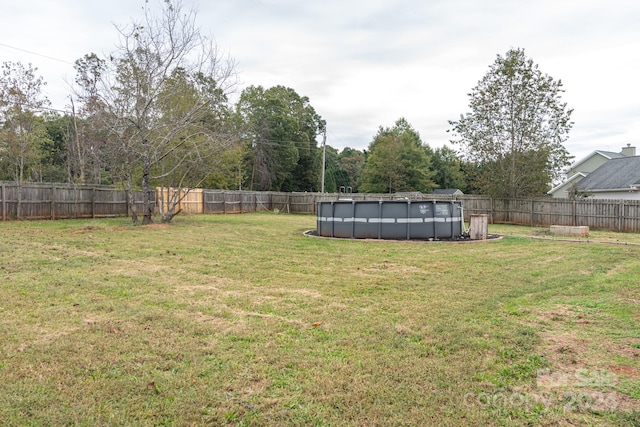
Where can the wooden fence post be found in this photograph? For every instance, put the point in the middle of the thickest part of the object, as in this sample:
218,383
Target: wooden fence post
224,202
53,202
621,216
491,209
574,214
93,202
19,200
76,194
532,212
126,196
4,201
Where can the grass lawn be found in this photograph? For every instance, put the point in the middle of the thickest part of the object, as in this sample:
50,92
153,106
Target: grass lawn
242,320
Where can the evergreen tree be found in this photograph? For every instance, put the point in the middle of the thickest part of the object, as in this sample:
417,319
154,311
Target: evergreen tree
397,161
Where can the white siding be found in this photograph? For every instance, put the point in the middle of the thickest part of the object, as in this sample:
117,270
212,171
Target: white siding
619,195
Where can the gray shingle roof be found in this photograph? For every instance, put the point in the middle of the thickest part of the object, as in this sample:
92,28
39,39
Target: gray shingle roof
615,174
445,191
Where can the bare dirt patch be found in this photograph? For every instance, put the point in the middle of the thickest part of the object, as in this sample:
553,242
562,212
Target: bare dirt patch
578,376
566,349
625,370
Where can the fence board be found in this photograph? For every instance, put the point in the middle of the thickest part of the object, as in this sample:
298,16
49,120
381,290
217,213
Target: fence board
3,195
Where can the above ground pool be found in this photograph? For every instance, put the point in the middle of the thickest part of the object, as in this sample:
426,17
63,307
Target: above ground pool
391,219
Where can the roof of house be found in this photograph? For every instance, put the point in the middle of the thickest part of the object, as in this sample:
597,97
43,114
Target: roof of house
446,191
616,174
610,154
606,154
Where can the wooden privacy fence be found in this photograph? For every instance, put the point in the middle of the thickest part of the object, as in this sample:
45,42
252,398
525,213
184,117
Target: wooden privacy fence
63,201
187,200
197,201
224,202
59,201
622,215
619,215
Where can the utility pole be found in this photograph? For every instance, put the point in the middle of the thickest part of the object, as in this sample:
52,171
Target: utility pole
324,156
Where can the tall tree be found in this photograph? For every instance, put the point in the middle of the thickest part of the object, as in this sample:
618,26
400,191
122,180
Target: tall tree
53,158
22,129
397,161
342,169
333,170
515,131
165,95
351,163
279,129
87,138
229,171
447,169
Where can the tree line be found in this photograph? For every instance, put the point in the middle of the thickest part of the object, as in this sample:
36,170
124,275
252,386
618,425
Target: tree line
157,112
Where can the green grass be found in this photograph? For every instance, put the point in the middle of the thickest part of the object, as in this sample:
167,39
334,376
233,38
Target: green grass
242,320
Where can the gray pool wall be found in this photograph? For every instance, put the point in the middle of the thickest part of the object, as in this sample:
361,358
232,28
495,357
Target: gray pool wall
391,219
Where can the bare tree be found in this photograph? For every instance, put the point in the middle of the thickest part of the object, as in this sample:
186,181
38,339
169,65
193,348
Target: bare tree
165,96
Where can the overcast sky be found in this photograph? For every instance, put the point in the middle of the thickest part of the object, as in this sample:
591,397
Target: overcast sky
365,63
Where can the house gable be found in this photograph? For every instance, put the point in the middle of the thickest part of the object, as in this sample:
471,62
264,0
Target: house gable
562,191
592,162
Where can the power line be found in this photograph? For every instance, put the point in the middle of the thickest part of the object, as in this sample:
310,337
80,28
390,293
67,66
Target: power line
42,107
281,143
344,145
336,137
52,109
37,54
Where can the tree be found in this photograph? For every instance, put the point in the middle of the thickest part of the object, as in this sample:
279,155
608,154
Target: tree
53,158
516,128
22,129
88,136
351,164
279,129
397,161
447,169
164,93
333,172
228,174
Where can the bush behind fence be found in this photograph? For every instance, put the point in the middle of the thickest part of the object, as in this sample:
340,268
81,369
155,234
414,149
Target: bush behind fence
62,201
